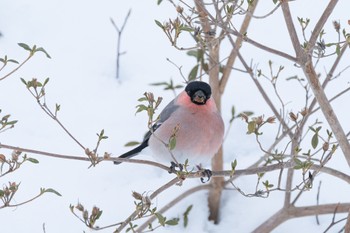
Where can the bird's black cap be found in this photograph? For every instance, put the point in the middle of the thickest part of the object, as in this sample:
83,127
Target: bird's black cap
194,86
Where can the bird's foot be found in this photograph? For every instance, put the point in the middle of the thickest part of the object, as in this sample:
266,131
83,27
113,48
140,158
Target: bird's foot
173,166
206,173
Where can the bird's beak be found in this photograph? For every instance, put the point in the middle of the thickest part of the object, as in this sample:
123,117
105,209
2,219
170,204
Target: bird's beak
199,97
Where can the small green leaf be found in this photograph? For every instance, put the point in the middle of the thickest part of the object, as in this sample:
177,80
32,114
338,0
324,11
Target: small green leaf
193,53
186,215
132,143
50,190
159,84
314,140
25,46
44,51
185,28
32,160
233,167
193,74
11,122
161,218
172,143
159,24
251,127
172,222
23,81
140,108
46,81
337,49
13,61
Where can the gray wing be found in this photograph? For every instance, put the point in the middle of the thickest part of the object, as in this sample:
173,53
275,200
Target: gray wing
164,115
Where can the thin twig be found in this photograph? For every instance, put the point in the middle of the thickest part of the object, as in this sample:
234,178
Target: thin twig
119,35
152,196
318,200
173,203
14,70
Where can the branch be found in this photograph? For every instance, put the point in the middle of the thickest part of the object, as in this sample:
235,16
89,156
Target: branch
295,212
323,19
18,67
152,196
291,29
119,33
347,225
172,203
233,55
327,109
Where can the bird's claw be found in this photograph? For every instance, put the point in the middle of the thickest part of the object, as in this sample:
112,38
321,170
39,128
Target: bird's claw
206,173
173,166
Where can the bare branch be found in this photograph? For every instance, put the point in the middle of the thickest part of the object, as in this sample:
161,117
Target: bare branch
291,29
323,19
173,203
119,34
152,196
232,57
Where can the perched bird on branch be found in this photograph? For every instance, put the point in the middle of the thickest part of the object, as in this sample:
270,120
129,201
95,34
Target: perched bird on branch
189,127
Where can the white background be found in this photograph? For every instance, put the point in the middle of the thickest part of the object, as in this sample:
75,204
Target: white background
82,43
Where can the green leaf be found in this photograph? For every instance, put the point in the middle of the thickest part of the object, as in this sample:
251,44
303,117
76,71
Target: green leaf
11,122
193,53
25,46
314,140
185,28
172,143
172,222
233,112
159,84
233,167
32,160
2,193
251,127
23,81
161,218
159,2
140,108
50,190
159,24
132,143
46,81
13,61
337,49
298,164
247,113
193,74
186,215
44,51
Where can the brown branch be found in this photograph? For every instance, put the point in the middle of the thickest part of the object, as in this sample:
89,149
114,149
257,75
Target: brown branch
323,19
173,203
291,29
347,225
152,196
295,212
261,46
327,109
18,67
233,55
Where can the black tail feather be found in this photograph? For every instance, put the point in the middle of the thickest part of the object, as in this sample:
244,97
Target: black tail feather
133,152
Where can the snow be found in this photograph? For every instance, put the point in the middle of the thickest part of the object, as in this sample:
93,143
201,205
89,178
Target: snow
82,43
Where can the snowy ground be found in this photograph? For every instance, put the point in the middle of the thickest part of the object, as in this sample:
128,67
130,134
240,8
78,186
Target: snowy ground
82,42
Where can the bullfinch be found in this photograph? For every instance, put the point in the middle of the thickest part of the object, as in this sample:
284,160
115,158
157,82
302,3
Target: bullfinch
193,119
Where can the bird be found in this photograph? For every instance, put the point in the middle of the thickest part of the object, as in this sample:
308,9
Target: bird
193,118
